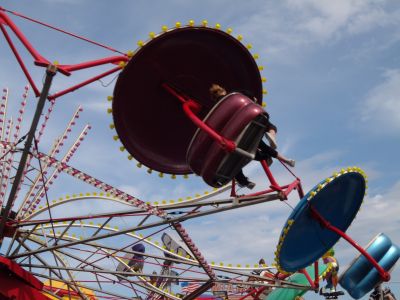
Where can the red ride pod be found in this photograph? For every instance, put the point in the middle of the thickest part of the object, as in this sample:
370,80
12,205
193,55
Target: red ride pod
149,121
237,118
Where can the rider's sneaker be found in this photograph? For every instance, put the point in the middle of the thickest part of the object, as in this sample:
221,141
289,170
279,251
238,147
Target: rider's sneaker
249,184
325,290
291,162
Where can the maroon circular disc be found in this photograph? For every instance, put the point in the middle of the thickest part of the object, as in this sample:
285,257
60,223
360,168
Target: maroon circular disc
149,121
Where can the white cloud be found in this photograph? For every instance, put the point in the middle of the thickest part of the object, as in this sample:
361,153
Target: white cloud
98,106
381,110
371,18
131,190
246,235
62,1
382,210
323,19
304,24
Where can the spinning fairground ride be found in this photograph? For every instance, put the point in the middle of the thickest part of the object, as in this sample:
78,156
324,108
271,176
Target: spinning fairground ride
166,120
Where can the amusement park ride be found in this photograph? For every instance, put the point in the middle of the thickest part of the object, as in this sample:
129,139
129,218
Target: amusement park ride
165,119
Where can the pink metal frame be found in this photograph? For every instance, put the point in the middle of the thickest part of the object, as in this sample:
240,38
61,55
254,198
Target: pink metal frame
39,60
190,108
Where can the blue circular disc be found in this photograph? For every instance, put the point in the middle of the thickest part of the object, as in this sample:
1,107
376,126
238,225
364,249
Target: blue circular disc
303,239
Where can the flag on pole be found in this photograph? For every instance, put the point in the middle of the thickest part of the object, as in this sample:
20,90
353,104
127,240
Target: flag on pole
189,287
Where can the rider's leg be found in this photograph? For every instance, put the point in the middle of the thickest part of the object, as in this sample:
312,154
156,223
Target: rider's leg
243,181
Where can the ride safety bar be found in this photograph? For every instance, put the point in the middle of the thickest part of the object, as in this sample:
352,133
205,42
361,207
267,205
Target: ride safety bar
191,107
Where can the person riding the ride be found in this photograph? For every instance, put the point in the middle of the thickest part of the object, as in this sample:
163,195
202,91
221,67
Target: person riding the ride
264,151
331,276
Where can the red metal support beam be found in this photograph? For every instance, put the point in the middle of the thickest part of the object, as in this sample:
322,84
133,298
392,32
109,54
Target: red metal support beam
83,83
191,107
385,276
294,185
310,281
95,63
316,275
274,185
19,59
39,60
60,30
181,97
300,190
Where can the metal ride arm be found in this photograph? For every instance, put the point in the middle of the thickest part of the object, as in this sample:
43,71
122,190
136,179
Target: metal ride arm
274,184
50,72
308,277
191,107
385,276
283,190
39,60
316,275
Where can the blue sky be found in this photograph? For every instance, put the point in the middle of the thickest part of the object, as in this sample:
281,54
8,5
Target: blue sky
333,70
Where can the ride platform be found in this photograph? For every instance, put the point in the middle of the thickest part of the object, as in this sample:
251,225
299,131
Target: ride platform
331,295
